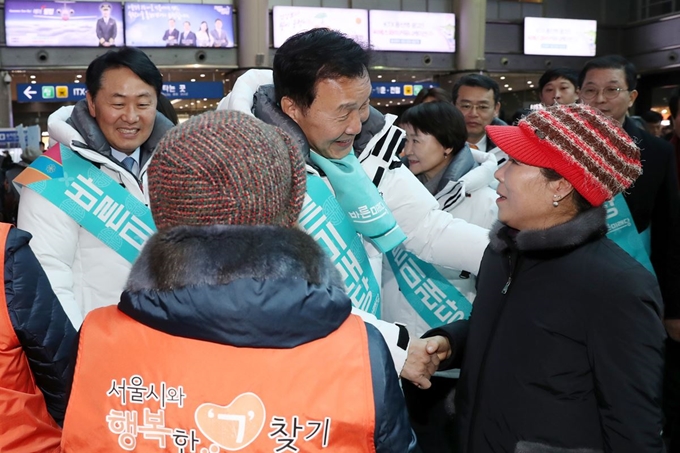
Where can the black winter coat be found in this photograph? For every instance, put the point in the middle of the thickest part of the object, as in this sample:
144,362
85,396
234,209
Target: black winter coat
564,348
46,335
654,200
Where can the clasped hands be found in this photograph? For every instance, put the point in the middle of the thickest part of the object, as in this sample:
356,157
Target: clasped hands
423,359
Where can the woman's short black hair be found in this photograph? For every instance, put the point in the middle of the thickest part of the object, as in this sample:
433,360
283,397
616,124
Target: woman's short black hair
439,119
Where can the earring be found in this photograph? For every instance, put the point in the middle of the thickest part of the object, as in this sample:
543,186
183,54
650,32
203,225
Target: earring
555,202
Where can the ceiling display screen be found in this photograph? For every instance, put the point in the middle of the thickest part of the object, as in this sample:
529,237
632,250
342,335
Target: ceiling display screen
566,37
290,20
63,24
178,25
412,31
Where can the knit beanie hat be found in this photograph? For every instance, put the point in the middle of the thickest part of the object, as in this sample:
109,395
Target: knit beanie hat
226,167
585,147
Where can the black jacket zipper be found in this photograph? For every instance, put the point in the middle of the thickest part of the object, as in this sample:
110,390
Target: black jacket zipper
513,265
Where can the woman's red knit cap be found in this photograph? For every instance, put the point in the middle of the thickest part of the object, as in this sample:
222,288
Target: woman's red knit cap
585,147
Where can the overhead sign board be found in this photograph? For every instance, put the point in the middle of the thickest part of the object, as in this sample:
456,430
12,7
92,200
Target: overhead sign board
193,90
563,37
9,138
412,31
178,24
50,92
71,92
63,24
290,20
399,90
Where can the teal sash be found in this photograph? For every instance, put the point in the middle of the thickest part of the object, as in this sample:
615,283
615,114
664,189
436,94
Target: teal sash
431,295
324,220
623,231
94,200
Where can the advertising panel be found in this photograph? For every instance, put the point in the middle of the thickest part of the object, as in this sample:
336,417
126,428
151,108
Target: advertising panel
63,24
412,31
565,37
290,20
178,24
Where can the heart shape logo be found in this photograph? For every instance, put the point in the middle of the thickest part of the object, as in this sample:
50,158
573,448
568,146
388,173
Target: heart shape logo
235,426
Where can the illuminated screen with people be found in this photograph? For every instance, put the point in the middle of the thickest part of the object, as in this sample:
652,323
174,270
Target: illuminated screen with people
63,24
290,20
560,37
178,25
410,31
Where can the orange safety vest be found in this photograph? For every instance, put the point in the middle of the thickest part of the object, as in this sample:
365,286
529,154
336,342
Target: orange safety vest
25,424
139,389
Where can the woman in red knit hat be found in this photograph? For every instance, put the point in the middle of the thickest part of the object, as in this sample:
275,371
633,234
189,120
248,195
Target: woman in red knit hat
564,349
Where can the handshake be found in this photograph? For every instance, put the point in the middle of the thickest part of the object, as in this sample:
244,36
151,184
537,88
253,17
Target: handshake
423,359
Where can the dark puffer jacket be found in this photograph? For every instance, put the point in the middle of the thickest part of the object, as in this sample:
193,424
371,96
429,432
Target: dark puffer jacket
564,348
654,200
43,329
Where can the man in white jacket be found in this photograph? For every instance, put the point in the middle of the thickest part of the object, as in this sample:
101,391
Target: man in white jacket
321,96
115,130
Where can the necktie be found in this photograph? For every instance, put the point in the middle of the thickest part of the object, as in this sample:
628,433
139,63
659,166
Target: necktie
472,145
129,164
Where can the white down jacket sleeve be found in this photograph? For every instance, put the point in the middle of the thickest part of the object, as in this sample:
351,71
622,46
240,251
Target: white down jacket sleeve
433,235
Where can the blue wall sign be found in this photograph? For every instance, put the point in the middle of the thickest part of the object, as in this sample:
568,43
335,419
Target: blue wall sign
9,138
71,92
400,90
193,90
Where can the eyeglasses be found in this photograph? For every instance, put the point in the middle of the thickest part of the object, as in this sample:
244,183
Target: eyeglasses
466,107
609,93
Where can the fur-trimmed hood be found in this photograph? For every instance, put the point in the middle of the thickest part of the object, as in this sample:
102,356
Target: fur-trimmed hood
257,286
73,125
585,227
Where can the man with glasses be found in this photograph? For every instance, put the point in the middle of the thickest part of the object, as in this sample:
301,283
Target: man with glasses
608,83
478,98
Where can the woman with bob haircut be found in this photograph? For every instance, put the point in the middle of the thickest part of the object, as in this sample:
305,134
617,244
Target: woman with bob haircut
437,153
564,348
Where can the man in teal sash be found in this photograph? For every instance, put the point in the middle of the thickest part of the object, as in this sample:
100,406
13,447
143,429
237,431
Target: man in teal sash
85,201
652,206
360,201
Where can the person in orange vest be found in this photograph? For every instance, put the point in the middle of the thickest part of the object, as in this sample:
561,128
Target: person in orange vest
234,331
36,341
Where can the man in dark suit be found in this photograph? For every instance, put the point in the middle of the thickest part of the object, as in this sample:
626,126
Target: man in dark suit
608,83
171,36
219,36
478,98
188,37
106,27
